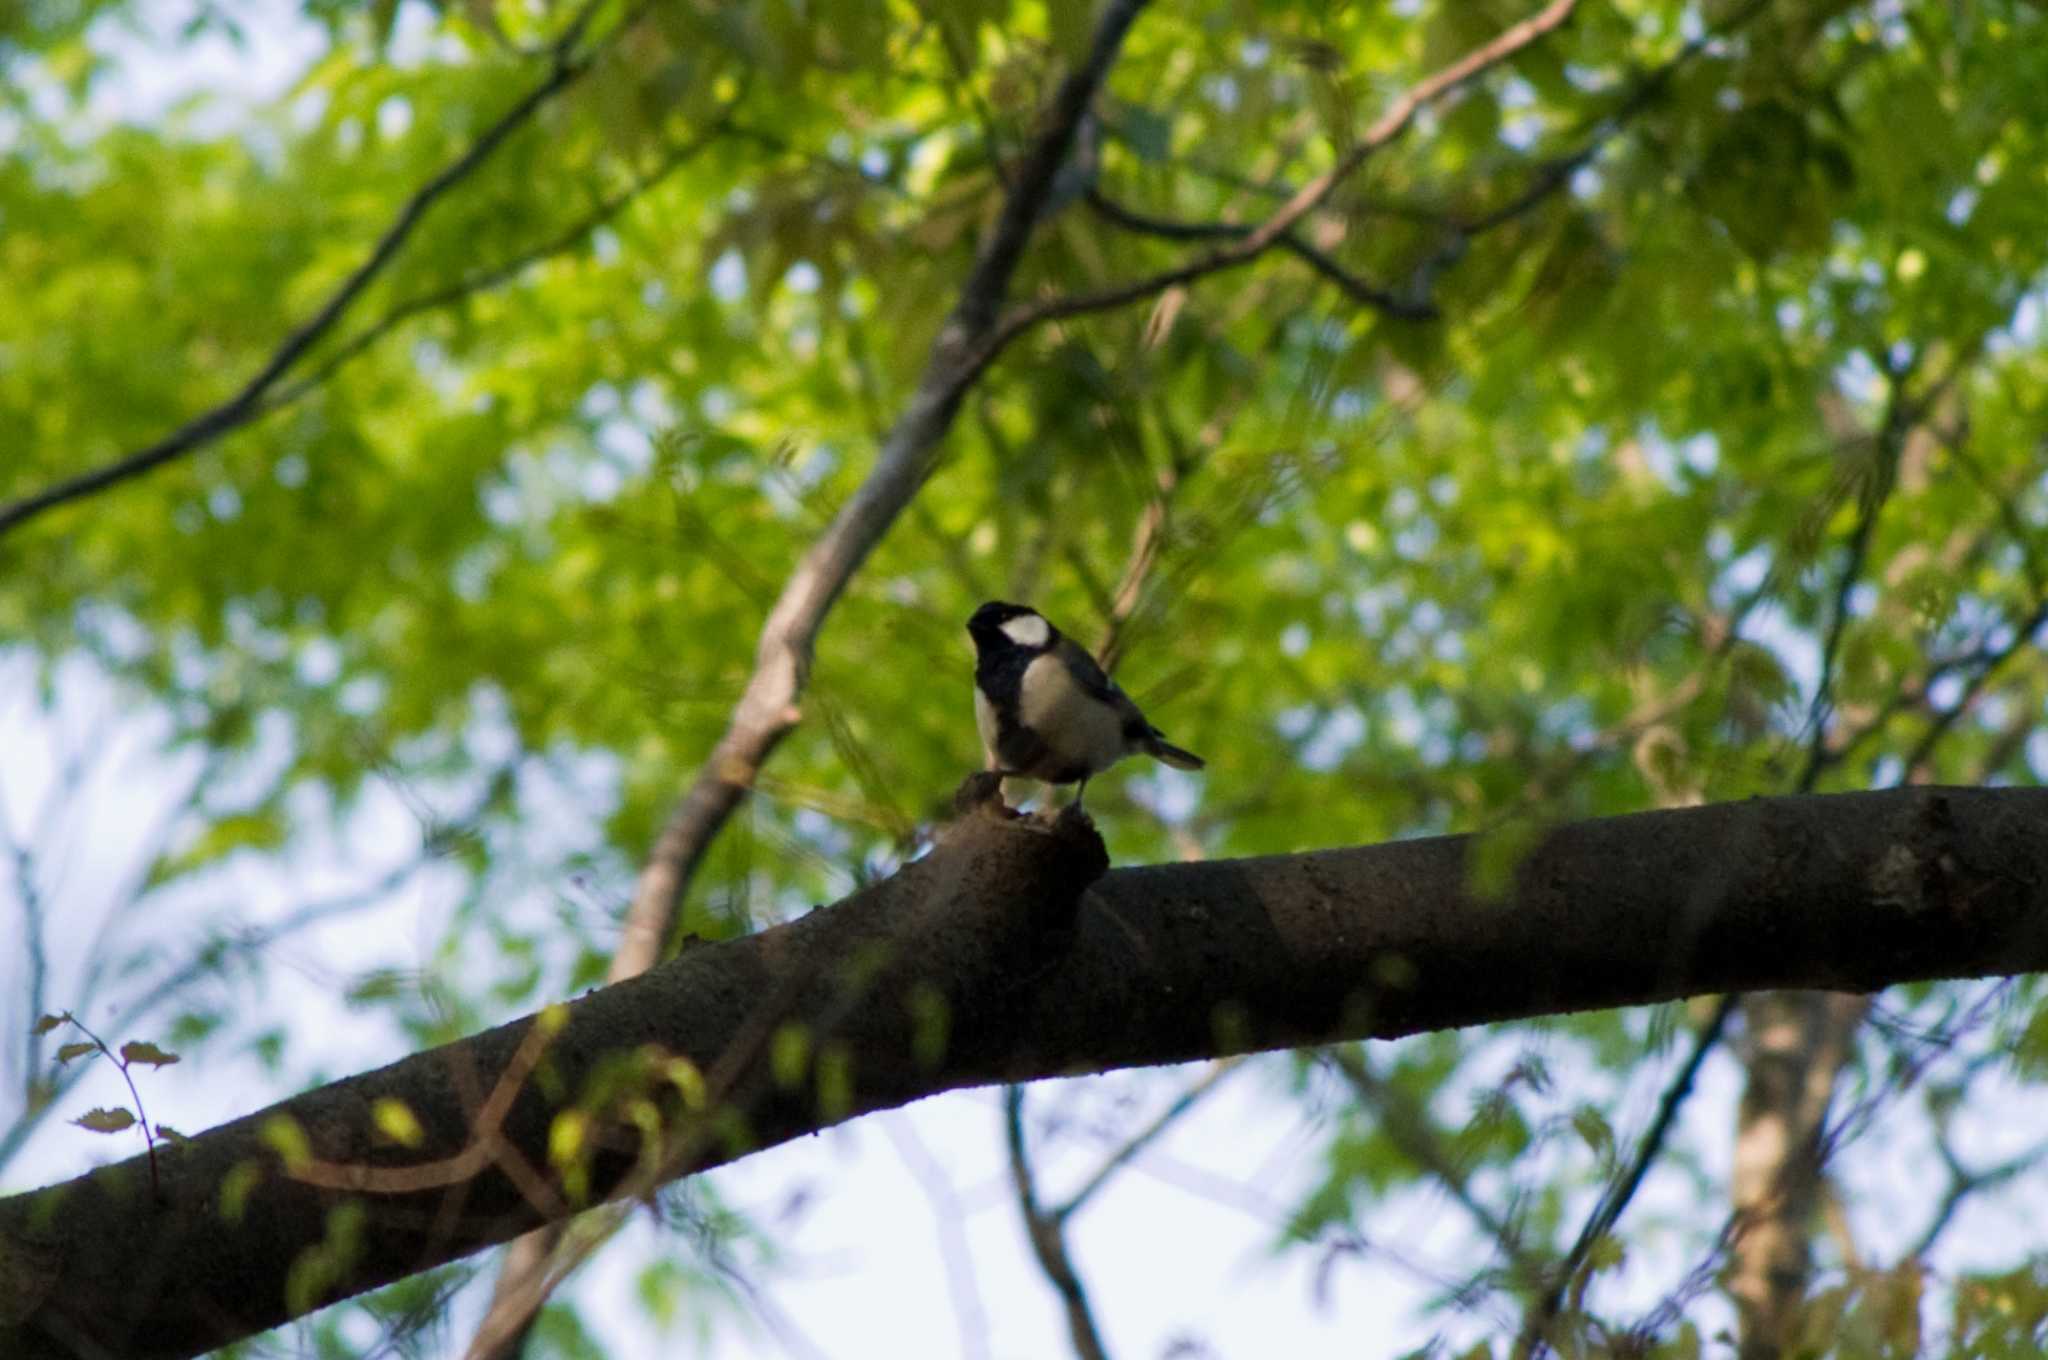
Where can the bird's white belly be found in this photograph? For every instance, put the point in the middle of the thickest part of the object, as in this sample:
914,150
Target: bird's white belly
1076,728
985,722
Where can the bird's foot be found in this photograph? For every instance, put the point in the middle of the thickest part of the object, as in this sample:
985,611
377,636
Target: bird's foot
1073,814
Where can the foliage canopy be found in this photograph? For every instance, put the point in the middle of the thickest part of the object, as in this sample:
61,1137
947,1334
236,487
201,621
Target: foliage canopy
1659,420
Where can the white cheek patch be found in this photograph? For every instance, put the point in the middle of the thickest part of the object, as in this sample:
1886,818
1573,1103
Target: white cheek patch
1028,630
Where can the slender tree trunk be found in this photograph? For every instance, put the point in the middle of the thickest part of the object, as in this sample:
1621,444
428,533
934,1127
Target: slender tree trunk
1795,1047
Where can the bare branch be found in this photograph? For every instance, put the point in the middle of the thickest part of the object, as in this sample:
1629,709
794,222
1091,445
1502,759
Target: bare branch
1615,1198
1047,1234
1963,1183
1146,1136
950,1217
1919,759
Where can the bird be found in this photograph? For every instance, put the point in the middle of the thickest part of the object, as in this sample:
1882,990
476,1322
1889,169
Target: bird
1045,709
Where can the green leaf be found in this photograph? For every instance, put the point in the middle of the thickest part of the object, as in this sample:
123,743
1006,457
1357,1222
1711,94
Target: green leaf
264,829
1146,132
108,1120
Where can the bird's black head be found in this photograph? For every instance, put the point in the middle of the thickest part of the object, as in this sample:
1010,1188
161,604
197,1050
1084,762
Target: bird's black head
999,627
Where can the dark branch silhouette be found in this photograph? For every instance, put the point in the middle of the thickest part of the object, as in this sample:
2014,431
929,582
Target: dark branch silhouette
767,710
1046,1232
565,68
1274,230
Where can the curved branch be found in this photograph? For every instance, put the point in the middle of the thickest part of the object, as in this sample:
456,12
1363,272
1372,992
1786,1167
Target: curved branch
1360,290
481,280
248,403
767,708
1046,1232
1615,1197
1256,241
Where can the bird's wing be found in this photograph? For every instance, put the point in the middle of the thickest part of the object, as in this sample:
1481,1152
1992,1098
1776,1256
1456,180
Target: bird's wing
1092,681
1087,674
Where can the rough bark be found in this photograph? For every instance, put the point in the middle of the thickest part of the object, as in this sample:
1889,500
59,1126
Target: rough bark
1001,957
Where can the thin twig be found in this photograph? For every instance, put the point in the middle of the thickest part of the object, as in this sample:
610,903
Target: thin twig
2022,641
1889,440
1255,242
1963,1183
481,280
950,1219
1358,289
1146,1136
1046,1233
1607,1211
1408,1129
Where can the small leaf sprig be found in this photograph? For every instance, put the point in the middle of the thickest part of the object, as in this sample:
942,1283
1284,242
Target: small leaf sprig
113,1119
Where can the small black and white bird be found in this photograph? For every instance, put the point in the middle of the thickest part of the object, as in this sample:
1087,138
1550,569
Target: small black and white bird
1045,709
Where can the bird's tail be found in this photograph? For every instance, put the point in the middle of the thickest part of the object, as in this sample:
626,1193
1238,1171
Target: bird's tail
1159,748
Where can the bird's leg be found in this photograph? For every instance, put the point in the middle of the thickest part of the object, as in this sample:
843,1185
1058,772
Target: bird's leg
981,788
1074,811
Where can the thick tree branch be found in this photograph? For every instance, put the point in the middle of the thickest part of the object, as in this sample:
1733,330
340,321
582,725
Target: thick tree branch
565,68
767,709
993,959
